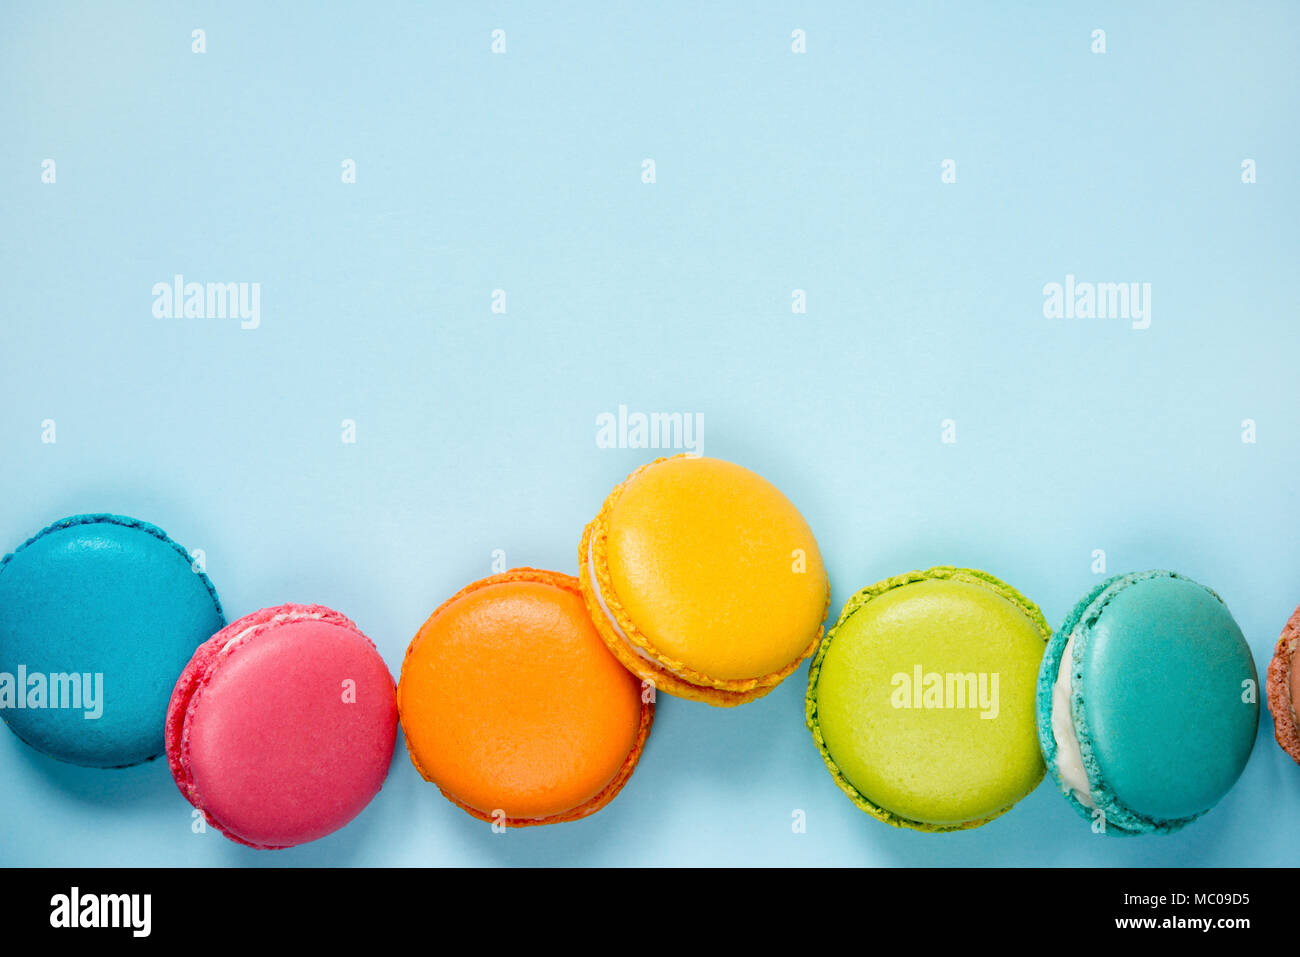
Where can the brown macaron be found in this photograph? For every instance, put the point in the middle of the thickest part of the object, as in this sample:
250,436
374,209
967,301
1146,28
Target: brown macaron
1283,688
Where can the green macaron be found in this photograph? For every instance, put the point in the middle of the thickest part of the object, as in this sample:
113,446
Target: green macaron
921,698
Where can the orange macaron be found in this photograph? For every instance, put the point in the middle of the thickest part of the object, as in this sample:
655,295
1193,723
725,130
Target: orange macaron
512,705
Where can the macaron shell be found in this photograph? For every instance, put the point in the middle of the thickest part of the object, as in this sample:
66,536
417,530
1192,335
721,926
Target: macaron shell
513,706
110,595
1160,700
936,769
1047,675
710,572
1282,690
701,688
282,729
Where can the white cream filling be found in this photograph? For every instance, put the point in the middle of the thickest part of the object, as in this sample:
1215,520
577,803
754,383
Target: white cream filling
604,609
1069,757
273,620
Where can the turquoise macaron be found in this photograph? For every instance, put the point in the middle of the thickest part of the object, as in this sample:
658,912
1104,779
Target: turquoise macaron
1147,703
99,614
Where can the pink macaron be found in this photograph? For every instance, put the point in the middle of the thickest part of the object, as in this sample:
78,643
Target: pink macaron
281,728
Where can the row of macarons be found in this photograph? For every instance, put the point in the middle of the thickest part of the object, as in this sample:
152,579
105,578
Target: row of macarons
938,699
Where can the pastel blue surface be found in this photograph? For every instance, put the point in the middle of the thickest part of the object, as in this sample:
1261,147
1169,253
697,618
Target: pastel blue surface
475,431
113,608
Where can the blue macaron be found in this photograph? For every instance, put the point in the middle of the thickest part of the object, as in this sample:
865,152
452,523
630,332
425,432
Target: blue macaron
1153,716
99,614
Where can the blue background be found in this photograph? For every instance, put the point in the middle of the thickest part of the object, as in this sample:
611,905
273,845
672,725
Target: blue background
476,431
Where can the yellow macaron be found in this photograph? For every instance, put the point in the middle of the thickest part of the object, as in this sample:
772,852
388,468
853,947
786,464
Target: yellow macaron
703,578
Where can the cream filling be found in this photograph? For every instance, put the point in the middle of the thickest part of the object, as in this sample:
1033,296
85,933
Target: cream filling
273,620
1069,757
609,617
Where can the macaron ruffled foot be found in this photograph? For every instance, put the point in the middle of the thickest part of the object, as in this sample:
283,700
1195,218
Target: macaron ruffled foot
1283,688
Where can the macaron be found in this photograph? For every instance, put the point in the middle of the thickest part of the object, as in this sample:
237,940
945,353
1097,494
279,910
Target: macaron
921,698
704,579
1147,703
98,615
281,728
1283,688
513,707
